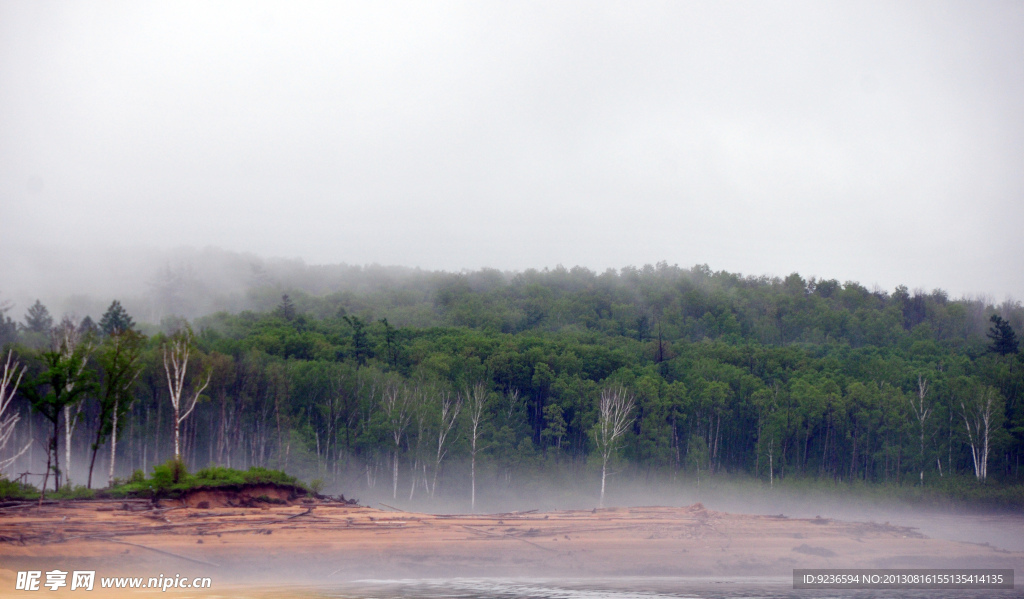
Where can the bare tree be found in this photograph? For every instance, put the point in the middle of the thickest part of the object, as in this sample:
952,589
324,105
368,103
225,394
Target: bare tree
615,415
419,410
449,406
396,409
177,352
922,413
767,401
513,402
8,387
475,405
979,417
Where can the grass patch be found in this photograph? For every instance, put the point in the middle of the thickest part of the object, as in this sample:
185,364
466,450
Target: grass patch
11,490
172,478
17,491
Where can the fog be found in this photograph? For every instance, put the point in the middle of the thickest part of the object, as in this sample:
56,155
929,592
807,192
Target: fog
575,485
726,493
871,142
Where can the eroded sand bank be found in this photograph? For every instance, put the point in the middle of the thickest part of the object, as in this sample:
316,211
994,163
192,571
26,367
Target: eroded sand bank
324,542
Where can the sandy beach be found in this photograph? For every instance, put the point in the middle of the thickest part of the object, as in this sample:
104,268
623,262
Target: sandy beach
322,542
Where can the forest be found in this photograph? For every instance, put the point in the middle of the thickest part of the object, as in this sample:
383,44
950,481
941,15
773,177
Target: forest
422,384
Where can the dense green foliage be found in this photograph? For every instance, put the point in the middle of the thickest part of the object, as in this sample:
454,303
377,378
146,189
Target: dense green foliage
766,378
172,478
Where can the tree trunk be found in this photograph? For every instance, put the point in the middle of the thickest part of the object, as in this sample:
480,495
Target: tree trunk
113,448
394,477
604,470
177,434
69,429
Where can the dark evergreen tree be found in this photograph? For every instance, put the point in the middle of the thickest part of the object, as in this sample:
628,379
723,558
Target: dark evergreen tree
88,327
286,309
360,342
389,339
8,328
1004,340
38,319
116,319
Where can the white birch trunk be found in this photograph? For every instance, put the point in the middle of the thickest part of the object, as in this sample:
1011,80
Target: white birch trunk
614,417
7,391
113,445
176,357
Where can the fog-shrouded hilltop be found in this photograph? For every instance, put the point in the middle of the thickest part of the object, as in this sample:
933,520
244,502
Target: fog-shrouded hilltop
191,282
413,385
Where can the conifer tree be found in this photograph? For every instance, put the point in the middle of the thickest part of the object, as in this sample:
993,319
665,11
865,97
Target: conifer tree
286,309
38,319
116,319
1004,340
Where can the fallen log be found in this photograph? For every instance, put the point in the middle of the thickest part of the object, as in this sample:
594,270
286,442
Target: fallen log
189,559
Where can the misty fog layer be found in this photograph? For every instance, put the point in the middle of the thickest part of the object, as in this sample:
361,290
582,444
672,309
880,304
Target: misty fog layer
860,142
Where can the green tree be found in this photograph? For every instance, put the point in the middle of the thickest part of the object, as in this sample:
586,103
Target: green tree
87,328
286,309
1004,340
63,382
390,341
120,360
8,328
554,425
116,319
360,341
38,319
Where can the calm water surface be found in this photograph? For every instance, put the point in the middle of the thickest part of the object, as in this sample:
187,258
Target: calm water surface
617,588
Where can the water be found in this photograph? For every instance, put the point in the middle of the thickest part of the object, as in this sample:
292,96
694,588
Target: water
619,588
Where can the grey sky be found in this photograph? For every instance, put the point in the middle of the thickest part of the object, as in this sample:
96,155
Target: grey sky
878,142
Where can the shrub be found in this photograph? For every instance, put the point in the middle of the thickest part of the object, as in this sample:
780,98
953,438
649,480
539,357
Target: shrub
218,475
10,489
258,475
168,475
78,492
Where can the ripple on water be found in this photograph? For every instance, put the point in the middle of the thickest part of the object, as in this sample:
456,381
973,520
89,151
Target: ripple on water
618,588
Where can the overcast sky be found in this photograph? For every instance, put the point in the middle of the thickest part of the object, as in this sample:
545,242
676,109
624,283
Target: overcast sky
876,142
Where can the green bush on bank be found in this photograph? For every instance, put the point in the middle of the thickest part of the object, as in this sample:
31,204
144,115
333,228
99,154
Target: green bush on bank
18,491
172,478
14,490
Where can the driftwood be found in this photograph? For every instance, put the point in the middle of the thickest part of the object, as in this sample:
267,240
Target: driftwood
307,512
392,507
189,559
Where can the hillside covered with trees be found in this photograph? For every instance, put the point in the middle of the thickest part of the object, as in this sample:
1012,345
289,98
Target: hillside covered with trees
418,382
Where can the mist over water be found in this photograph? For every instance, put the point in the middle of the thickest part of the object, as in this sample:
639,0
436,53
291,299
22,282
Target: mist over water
1002,529
617,588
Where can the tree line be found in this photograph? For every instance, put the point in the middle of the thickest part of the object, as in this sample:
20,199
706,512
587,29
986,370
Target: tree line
500,377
